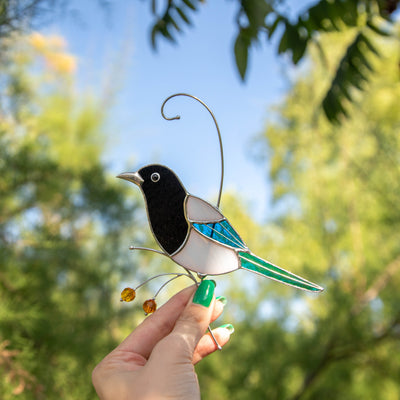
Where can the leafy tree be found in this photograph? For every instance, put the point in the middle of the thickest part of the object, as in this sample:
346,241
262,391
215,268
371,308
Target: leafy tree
62,220
264,20
62,223
339,189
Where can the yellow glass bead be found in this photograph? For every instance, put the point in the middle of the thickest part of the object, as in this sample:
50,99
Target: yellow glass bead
128,294
149,306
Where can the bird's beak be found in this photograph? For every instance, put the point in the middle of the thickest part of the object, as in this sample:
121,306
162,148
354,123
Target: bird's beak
133,177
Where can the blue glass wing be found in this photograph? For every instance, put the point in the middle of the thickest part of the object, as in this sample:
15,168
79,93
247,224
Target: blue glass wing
221,232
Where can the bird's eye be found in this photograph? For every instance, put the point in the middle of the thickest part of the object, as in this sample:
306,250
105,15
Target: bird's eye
155,177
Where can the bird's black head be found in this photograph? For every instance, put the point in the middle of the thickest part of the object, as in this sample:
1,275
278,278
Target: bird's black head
159,179
154,180
165,197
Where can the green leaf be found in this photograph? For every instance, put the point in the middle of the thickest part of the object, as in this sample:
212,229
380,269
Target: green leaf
356,72
377,30
335,16
166,33
317,14
369,45
272,28
241,53
327,17
284,43
170,21
299,50
153,36
256,11
349,74
189,4
292,41
364,61
333,108
345,90
350,12
183,15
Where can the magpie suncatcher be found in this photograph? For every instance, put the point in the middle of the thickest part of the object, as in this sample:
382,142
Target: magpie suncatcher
195,234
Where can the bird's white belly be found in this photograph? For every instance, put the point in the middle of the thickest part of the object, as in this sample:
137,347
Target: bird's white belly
205,256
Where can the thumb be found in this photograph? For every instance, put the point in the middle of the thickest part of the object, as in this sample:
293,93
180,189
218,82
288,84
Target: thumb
191,325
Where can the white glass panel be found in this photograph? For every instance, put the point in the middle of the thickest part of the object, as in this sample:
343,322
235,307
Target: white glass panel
198,210
205,256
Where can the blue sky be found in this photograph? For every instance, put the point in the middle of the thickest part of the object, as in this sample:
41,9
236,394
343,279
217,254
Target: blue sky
115,57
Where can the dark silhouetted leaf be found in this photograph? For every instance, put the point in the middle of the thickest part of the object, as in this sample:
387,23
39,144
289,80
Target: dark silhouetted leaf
350,14
299,50
183,15
189,4
284,43
351,74
377,30
171,21
241,54
272,28
256,11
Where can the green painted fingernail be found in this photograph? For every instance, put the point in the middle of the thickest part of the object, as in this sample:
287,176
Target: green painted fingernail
230,328
204,293
222,299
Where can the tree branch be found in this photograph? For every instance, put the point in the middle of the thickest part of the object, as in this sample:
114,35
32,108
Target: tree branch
378,285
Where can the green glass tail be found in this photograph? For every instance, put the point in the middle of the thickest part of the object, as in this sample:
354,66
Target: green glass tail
262,267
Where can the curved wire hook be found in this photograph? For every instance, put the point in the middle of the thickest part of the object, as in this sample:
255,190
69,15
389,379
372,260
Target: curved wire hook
218,131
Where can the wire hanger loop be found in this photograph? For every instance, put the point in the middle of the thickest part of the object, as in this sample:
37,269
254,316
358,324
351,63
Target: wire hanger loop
177,117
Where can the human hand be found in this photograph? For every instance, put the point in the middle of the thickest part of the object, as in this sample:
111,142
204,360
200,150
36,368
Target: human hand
156,361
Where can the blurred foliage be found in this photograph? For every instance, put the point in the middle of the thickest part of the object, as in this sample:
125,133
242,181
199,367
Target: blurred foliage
339,189
261,21
62,223
16,15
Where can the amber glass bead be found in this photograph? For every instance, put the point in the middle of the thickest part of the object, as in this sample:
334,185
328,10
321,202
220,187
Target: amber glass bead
149,306
128,294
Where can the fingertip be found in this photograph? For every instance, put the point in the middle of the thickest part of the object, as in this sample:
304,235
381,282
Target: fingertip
207,345
222,299
219,305
228,327
222,334
204,293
